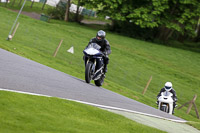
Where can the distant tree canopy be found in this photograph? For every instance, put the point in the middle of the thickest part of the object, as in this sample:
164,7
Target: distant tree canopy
166,18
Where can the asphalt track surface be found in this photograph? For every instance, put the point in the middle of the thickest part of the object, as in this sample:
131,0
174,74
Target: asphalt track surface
20,74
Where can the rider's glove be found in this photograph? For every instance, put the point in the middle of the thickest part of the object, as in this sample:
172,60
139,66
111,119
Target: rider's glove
175,99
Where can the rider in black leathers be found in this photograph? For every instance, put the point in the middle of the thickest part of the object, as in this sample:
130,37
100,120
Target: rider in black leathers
105,46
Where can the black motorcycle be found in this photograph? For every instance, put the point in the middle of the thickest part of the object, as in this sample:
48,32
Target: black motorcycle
94,64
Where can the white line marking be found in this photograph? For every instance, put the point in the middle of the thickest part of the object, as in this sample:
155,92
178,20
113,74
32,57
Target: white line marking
96,105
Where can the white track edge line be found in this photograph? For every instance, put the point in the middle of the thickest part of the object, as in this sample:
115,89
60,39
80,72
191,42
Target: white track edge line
97,105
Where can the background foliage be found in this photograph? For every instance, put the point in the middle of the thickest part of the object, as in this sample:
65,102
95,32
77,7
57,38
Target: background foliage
164,19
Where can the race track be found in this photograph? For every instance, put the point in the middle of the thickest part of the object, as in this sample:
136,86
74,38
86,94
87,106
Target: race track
20,74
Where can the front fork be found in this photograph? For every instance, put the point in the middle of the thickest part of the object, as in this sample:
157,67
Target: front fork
93,66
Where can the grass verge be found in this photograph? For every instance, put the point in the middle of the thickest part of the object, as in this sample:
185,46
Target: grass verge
22,113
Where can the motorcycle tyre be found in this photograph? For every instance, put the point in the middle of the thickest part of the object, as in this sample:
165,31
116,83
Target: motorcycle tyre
100,81
88,70
165,109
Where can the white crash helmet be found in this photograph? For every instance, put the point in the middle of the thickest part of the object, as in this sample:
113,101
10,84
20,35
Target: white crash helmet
168,86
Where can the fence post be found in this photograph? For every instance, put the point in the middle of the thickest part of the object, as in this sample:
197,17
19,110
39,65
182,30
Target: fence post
56,51
183,105
191,103
15,30
145,89
196,110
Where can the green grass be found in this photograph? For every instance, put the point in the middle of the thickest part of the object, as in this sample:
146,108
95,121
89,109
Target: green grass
22,113
36,7
192,46
132,61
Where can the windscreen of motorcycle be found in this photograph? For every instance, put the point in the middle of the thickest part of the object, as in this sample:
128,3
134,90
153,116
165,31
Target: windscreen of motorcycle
166,93
95,46
92,49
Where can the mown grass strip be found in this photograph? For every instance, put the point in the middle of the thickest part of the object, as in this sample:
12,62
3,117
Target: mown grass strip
21,113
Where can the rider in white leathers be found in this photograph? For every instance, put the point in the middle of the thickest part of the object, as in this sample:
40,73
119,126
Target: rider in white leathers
168,87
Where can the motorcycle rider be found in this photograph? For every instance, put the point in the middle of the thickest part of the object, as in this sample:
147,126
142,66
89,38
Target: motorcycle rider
168,87
105,47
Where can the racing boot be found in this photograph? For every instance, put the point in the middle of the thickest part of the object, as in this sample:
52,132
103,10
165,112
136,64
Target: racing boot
174,106
105,69
157,103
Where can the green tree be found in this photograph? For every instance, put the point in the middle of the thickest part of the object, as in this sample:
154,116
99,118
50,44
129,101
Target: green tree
178,17
198,31
67,10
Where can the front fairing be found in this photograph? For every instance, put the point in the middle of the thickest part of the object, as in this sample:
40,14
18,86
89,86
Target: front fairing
93,50
166,97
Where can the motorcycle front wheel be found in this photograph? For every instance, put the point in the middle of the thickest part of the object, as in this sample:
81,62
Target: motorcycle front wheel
100,81
88,72
165,109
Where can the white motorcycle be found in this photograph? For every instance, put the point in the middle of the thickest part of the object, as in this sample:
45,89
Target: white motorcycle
165,102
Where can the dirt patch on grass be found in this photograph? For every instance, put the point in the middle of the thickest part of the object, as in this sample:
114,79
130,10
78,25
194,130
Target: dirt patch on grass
30,14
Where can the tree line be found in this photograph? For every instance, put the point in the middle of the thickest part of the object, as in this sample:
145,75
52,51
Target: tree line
151,19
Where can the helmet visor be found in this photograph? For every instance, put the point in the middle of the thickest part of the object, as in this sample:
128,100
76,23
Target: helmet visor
99,38
167,88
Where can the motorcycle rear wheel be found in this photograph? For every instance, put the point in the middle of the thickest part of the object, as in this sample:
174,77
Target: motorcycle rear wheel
88,72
